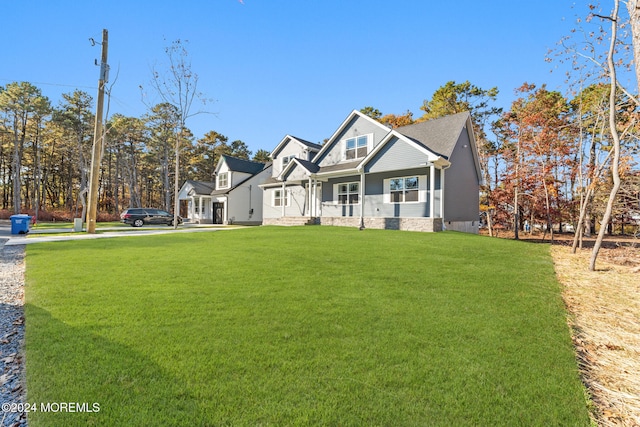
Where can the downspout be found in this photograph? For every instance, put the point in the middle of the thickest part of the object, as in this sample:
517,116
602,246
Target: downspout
442,195
250,209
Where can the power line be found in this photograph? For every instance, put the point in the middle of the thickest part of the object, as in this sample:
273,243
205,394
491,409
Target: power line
51,84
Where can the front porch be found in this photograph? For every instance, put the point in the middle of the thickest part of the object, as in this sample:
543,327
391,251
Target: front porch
206,210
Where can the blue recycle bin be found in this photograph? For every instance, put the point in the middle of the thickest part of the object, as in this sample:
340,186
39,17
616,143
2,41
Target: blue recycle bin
20,223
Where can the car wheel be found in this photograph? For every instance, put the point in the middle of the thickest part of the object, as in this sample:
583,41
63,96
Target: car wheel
138,223
170,223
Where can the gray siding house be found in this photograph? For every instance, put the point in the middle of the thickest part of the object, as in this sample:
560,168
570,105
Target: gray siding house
423,177
234,197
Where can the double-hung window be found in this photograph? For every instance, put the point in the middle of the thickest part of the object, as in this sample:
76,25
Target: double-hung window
403,190
356,148
278,200
349,193
223,180
286,160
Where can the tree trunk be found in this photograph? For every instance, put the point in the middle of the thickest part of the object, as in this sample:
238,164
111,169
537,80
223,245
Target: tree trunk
615,172
634,20
176,180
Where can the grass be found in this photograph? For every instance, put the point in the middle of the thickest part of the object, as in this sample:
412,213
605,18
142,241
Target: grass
300,326
69,225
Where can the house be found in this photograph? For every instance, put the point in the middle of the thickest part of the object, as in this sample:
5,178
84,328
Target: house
234,197
367,175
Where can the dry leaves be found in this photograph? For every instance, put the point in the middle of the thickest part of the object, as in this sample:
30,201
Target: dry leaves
605,319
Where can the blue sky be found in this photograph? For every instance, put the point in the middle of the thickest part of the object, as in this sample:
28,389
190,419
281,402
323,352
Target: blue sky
277,67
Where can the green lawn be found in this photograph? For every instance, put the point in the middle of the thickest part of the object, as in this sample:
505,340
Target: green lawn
69,225
300,326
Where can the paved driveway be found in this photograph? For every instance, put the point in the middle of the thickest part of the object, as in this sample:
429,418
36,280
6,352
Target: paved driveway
53,235
5,229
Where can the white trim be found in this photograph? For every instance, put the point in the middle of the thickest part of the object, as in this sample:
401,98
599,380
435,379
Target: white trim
289,158
343,146
432,157
310,195
344,124
336,199
287,198
363,187
442,194
422,189
288,138
432,190
292,164
219,186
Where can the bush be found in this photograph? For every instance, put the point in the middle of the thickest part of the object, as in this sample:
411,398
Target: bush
58,215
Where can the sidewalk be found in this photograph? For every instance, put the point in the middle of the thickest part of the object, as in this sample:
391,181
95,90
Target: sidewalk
62,234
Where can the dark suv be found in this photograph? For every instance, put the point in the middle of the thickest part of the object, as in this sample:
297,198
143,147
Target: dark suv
138,217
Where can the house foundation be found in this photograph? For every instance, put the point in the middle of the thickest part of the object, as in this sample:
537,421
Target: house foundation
406,224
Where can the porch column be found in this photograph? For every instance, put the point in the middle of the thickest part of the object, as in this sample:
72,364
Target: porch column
310,196
442,194
432,190
315,197
284,198
362,194
200,207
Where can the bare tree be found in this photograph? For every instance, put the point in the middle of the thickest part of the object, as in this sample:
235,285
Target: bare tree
178,86
615,136
634,20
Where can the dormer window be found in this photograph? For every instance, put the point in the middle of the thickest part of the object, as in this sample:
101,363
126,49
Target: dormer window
356,148
223,180
286,160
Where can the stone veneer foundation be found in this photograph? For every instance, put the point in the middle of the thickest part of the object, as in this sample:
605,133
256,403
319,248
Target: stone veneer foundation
407,224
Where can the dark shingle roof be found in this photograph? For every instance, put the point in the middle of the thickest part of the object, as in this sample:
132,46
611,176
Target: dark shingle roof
308,144
438,135
340,166
241,165
202,187
310,166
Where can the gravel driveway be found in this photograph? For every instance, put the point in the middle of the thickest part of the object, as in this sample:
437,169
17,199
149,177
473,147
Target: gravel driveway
12,375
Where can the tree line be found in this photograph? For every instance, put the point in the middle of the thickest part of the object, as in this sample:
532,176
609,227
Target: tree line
541,160
45,154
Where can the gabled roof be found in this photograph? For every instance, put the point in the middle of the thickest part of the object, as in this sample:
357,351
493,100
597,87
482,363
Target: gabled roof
201,187
312,145
308,166
240,165
304,143
224,191
339,167
434,157
438,135
344,124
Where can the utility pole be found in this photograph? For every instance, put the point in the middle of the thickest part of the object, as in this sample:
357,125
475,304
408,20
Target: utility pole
98,141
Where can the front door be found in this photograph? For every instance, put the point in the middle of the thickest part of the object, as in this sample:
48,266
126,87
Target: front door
218,213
